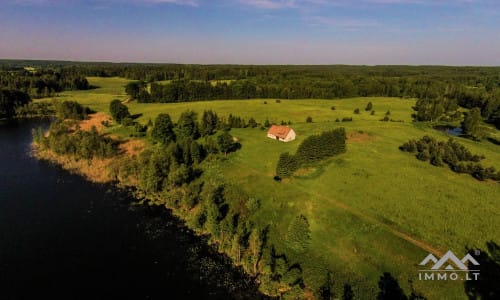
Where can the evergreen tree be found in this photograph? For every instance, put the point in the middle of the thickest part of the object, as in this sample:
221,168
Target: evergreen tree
163,130
225,142
389,288
286,165
188,125
369,106
347,294
298,234
209,123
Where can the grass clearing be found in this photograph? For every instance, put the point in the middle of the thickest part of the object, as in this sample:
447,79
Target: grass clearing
365,206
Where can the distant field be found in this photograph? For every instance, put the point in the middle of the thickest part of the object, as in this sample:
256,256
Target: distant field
372,209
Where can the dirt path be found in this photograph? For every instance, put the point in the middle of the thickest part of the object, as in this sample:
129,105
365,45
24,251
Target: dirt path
422,245
367,218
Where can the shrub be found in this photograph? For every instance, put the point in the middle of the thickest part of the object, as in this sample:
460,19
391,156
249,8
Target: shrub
369,106
309,119
118,110
356,111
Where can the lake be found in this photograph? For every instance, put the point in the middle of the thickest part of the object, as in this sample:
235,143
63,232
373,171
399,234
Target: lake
64,237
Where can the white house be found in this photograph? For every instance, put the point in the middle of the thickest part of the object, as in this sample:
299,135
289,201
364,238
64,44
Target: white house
281,133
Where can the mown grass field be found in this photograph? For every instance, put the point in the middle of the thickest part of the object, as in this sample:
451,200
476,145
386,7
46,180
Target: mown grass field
372,209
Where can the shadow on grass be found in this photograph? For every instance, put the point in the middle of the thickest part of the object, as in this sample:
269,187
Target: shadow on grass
487,286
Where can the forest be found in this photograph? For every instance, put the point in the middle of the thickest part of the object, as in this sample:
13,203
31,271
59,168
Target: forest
440,89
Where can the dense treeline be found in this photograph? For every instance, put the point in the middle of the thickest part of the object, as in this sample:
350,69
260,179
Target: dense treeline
313,149
43,82
10,101
440,88
456,156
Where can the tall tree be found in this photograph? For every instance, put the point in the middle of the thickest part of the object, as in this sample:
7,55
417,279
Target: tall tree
163,130
225,142
188,125
471,122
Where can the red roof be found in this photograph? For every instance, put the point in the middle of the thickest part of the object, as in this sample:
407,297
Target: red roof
279,131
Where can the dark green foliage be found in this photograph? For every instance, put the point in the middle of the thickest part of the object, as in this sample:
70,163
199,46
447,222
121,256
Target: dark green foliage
196,152
278,101
209,123
10,100
389,288
225,142
155,168
487,287
458,158
356,111
71,110
332,108
286,166
298,235
372,113
188,125
133,89
79,144
318,147
471,121
235,122
252,123
312,150
347,119
163,130
369,106
118,110
309,119
267,124
326,290
347,294
36,109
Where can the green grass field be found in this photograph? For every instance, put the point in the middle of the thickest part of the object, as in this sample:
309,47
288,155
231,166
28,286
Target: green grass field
372,209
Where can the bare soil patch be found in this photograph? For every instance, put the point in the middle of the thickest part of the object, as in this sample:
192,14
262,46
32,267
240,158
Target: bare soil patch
95,120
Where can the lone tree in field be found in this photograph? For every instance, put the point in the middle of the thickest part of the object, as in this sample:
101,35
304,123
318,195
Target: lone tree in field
356,111
471,121
299,234
309,119
163,130
118,110
369,106
225,143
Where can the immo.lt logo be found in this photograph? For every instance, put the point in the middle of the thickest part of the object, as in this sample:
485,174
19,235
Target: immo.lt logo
449,267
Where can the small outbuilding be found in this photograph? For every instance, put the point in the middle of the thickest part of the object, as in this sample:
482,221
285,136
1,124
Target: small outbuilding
281,133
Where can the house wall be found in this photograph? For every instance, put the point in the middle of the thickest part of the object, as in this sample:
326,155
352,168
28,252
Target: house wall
290,137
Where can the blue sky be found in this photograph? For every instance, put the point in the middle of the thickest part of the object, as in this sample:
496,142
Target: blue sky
447,32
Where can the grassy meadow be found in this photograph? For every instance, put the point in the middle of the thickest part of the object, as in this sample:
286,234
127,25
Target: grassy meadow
371,210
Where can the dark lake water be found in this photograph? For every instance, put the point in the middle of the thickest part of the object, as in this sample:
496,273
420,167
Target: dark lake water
62,237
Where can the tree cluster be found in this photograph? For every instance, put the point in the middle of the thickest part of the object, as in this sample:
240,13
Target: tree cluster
456,156
71,110
313,149
76,143
10,100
